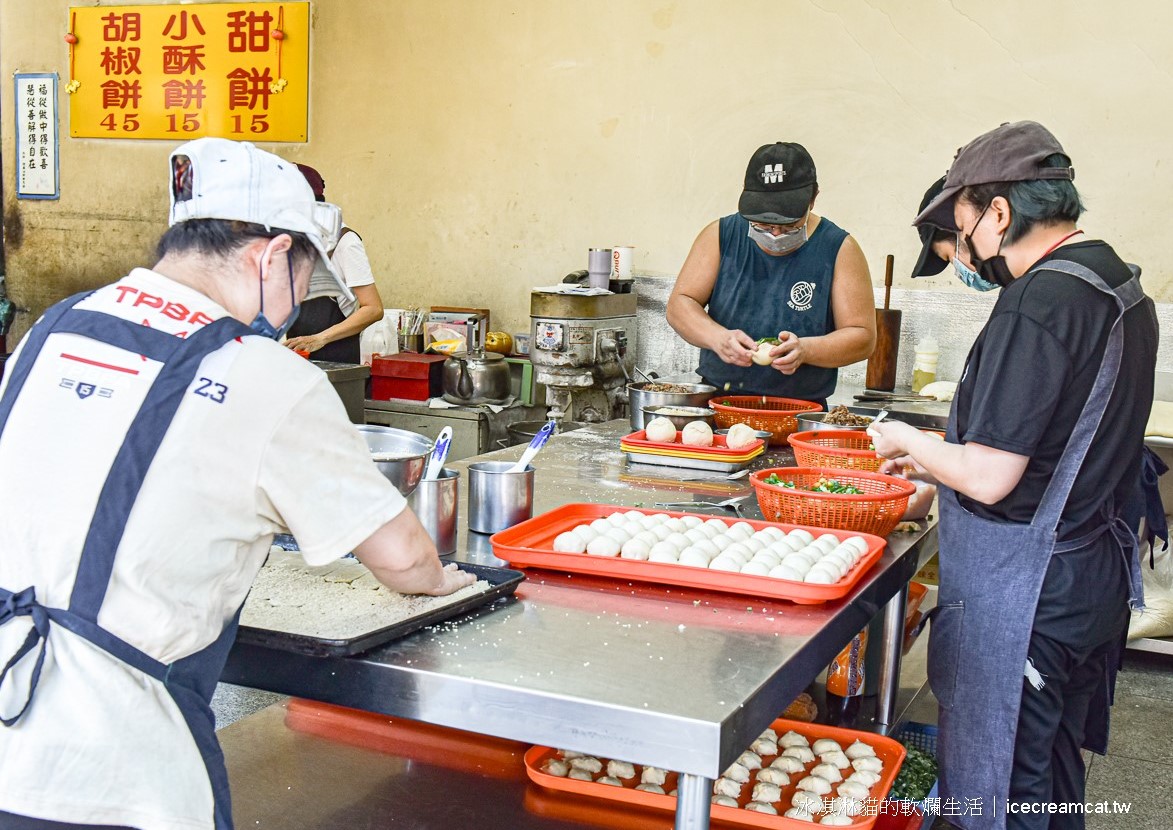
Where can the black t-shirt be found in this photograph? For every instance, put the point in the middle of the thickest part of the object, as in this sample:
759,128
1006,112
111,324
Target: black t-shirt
1030,372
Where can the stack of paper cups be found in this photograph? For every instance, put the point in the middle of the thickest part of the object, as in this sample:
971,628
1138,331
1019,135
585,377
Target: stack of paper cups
621,256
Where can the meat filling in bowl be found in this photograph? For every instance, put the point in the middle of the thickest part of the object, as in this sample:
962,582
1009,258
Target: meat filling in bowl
841,416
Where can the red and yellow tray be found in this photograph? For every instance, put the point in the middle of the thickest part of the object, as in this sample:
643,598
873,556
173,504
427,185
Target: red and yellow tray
887,750
531,545
639,442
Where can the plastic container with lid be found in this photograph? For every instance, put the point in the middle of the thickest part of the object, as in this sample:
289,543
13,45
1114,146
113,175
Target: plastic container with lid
924,365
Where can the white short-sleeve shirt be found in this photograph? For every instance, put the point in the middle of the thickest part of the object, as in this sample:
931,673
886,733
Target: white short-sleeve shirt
260,445
350,258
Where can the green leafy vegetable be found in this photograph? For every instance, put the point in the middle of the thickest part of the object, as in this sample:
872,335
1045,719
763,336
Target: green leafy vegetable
824,485
916,778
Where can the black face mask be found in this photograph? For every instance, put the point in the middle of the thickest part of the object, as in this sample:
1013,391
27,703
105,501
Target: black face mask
994,269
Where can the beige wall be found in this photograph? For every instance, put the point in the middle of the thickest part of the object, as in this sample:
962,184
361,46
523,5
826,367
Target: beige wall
481,146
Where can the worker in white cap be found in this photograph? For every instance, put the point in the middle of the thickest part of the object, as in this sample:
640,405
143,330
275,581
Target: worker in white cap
156,437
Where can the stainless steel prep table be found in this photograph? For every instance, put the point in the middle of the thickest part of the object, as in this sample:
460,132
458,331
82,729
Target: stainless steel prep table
669,677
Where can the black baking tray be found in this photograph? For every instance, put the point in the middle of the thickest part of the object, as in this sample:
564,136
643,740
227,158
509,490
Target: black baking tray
504,582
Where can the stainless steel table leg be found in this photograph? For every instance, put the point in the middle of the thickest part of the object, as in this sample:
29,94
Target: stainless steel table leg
890,647
693,795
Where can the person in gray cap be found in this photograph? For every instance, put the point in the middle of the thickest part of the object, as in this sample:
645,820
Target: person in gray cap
1042,456
160,432
939,248
775,271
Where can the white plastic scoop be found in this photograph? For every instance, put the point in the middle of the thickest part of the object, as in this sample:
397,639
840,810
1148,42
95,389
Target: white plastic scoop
535,445
881,416
439,454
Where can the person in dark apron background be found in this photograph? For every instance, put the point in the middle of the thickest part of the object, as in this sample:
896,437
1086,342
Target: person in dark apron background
939,249
775,269
1042,456
157,438
329,325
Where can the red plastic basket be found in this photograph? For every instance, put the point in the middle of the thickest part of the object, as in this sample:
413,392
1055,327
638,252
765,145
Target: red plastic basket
848,449
774,415
877,510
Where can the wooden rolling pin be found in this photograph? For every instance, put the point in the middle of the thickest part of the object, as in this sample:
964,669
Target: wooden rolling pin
881,373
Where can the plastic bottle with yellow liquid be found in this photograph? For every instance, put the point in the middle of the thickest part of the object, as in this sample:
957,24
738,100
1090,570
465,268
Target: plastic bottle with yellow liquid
924,365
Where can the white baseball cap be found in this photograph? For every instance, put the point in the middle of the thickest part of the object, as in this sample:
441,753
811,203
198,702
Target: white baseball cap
216,178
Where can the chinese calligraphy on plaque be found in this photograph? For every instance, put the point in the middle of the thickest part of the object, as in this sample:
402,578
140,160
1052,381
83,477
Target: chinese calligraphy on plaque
237,70
36,136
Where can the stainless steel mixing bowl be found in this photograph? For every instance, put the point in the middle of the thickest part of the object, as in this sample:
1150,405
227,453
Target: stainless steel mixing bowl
400,455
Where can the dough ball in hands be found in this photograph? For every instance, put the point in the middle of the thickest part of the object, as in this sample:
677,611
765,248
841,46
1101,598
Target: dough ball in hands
697,434
661,430
740,435
762,356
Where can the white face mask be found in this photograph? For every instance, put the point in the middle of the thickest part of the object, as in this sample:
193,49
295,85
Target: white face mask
783,243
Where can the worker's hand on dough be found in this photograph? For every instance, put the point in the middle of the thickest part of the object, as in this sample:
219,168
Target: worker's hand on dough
890,438
789,354
453,580
307,343
735,347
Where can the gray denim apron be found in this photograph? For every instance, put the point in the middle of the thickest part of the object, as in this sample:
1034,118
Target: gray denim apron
192,680
991,577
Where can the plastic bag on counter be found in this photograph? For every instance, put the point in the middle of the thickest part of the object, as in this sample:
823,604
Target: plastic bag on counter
380,337
1156,620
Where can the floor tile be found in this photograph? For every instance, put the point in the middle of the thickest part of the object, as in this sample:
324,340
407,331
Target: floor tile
1148,675
231,703
1141,785
1142,728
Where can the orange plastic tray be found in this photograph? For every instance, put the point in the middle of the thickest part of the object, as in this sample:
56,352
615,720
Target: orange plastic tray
887,750
719,451
531,545
427,743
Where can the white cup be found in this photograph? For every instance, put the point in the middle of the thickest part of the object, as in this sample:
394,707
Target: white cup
621,256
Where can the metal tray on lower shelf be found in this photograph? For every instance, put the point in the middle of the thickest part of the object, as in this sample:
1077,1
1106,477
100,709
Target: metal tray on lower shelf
504,582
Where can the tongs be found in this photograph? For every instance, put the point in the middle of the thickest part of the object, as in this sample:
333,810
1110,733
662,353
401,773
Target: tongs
733,504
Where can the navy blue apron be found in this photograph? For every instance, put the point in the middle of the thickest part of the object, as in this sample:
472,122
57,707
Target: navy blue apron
192,680
991,577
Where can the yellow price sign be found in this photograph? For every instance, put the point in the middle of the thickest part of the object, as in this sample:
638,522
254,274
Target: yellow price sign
236,70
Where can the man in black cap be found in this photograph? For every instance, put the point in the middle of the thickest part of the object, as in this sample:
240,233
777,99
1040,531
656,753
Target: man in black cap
775,270
1041,458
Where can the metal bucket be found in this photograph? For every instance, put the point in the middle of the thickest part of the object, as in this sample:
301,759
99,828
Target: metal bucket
437,505
498,499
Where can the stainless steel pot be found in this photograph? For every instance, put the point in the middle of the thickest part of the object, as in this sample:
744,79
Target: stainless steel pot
476,377
698,395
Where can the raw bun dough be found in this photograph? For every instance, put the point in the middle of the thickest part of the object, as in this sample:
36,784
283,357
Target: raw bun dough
762,356
603,546
697,434
942,390
569,542
661,430
740,435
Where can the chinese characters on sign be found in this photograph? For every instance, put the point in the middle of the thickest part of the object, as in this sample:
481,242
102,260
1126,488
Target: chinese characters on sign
36,136
237,70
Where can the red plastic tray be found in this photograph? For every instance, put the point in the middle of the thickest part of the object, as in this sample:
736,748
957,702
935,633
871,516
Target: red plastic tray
718,451
887,750
531,545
